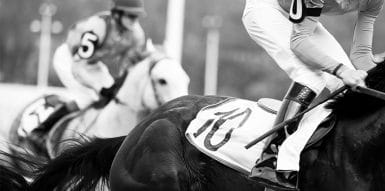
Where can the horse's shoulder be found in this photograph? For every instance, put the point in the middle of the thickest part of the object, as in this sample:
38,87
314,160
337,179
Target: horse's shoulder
158,130
152,157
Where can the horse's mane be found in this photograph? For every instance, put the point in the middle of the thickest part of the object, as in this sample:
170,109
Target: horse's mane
80,167
357,104
10,180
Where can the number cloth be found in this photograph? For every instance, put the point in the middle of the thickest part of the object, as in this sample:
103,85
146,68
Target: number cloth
222,130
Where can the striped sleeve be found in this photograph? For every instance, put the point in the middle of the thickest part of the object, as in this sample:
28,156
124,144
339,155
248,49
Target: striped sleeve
85,37
299,9
361,50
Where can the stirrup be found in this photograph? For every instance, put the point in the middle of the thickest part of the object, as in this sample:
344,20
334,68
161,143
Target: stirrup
269,178
289,176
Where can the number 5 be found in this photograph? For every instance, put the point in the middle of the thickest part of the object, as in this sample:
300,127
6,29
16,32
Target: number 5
87,45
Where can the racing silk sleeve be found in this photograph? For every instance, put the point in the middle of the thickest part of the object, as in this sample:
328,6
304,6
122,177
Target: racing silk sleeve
85,37
307,50
361,50
84,41
305,15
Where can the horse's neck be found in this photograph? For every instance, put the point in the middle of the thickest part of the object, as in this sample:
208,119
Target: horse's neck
132,91
117,119
355,150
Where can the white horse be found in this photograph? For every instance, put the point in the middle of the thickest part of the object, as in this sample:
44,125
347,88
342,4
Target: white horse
148,84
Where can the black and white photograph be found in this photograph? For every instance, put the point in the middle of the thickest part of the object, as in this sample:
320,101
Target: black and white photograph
192,95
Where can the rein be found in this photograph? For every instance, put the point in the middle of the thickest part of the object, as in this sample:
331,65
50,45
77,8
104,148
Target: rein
363,90
110,93
118,84
113,90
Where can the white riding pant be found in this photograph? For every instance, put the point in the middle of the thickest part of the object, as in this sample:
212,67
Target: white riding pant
86,92
268,25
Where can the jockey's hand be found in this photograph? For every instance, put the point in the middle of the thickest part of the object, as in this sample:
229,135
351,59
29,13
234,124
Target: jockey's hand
351,77
378,58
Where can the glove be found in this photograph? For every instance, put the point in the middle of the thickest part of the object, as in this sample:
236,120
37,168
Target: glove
351,77
379,58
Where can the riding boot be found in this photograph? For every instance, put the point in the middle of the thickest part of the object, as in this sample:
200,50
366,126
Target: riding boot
297,99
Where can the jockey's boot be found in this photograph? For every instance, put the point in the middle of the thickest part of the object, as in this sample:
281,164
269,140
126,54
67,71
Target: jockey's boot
297,99
36,137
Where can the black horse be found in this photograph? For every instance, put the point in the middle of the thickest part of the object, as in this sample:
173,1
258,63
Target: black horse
157,156
11,181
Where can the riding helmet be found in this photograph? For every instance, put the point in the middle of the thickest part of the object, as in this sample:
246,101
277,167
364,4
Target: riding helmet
135,7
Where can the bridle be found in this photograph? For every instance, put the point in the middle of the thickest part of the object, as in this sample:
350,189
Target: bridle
155,59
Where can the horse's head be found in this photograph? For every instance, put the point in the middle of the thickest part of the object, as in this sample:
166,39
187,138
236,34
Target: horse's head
153,81
168,81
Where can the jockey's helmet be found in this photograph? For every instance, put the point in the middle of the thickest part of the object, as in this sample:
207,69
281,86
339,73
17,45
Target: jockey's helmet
132,7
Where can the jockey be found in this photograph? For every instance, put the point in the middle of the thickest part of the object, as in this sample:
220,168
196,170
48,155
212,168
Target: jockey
96,49
292,35
100,46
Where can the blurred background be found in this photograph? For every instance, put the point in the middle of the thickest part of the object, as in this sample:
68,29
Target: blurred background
244,69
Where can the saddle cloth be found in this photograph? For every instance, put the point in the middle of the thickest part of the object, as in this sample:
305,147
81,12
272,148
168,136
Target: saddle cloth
222,131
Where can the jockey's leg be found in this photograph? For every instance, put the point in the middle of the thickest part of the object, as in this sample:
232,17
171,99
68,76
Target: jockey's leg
83,81
267,174
267,24
297,99
290,150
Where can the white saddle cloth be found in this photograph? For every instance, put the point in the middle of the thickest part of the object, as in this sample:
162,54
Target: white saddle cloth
33,116
222,130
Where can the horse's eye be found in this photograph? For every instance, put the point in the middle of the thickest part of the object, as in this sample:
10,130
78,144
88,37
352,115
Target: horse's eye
162,82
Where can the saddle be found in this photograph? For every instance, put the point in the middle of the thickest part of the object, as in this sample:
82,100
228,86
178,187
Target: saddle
272,105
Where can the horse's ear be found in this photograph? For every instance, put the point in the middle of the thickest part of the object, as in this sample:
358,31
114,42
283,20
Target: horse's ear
150,46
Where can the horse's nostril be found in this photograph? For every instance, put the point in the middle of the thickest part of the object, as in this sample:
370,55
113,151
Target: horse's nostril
162,82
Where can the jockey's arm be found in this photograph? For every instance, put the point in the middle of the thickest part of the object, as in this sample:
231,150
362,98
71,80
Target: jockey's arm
361,50
86,36
312,53
83,40
307,50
